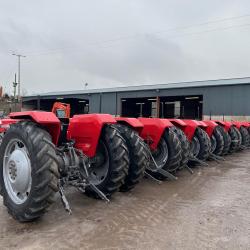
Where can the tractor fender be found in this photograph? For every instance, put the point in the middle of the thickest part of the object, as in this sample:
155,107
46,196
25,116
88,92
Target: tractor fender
238,124
189,126
5,124
153,129
178,122
224,124
86,130
211,125
48,120
131,122
245,124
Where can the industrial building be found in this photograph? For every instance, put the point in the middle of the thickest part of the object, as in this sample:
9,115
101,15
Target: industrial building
217,99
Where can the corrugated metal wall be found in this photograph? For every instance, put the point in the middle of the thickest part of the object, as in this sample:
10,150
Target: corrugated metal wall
220,100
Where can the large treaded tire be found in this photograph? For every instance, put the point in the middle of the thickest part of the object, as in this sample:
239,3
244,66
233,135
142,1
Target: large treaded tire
138,156
239,144
174,150
174,153
219,141
234,139
226,139
118,162
185,146
245,136
44,171
205,145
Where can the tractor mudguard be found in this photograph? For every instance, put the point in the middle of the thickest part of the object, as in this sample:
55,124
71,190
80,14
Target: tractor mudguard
238,124
153,129
211,125
225,125
86,130
48,120
5,124
131,122
245,124
188,126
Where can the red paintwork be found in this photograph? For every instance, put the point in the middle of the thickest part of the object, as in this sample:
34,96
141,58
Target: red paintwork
225,125
238,124
153,129
85,130
5,124
132,122
47,119
211,125
189,126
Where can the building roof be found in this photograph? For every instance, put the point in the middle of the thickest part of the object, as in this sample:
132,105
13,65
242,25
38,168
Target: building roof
176,85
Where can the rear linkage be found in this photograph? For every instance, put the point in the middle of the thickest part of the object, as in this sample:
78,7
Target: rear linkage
157,168
74,169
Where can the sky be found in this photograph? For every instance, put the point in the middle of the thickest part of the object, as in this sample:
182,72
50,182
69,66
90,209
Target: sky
112,43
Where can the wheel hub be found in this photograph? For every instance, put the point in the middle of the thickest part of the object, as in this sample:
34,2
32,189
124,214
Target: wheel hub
195,146
160,154
17,172
100,166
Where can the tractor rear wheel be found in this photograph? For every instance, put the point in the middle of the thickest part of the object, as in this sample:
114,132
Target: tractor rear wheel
185,147
226,139
28,171
245,136
200,146
138,156
168,154
217,142
109,167
239,144
234,139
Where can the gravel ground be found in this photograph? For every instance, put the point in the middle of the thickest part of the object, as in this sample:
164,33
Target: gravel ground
207,210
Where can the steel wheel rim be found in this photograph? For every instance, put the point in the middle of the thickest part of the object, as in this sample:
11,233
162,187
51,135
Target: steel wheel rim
161,153
195,146
99,169
17,171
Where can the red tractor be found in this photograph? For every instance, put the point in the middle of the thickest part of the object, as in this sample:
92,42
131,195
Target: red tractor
232,137
40,155
200,145
160,142
244,128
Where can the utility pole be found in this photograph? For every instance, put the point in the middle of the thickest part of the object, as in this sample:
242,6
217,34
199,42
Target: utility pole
19,73
14,86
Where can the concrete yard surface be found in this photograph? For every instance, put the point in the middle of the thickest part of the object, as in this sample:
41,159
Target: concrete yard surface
207,210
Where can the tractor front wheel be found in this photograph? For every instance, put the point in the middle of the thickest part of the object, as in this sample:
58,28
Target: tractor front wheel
109,167
28,171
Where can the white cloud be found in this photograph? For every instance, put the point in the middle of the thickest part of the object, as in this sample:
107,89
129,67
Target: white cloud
70,43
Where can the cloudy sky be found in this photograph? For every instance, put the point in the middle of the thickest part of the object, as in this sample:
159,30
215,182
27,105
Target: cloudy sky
112,43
